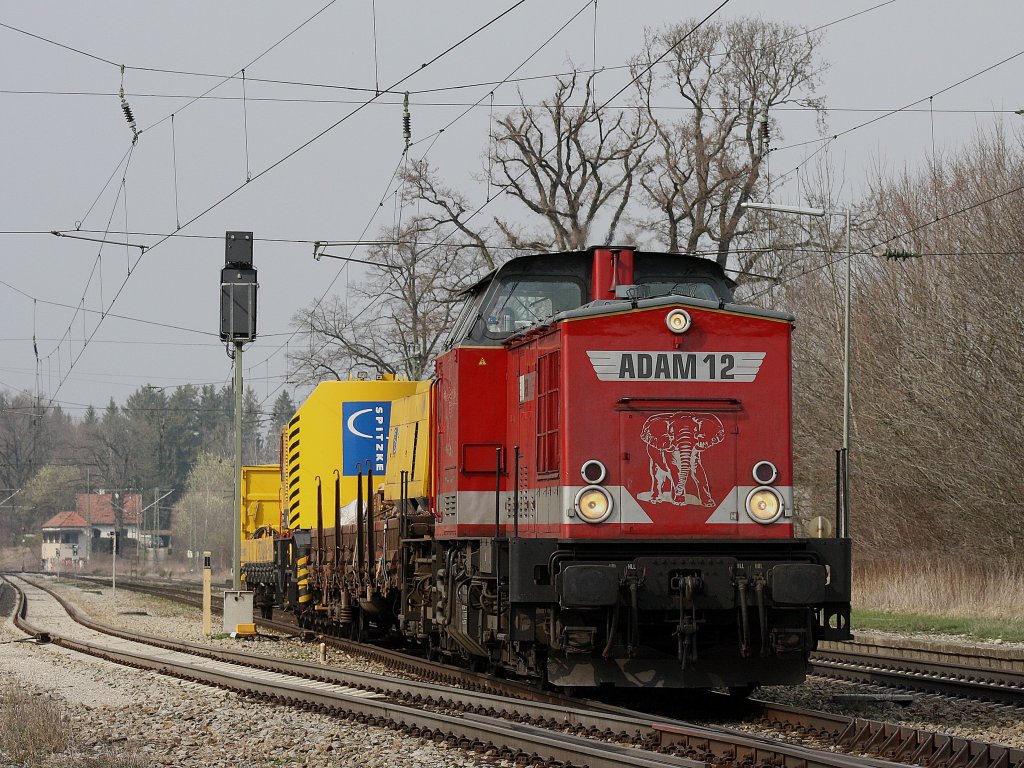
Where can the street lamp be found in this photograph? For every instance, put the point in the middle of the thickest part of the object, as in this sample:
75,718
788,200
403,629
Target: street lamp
843,532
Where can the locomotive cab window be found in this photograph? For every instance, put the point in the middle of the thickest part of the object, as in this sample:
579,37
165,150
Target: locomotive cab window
519,304
467,318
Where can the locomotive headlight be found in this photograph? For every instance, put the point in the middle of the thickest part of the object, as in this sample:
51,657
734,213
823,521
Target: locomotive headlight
764,505
678,320
593,504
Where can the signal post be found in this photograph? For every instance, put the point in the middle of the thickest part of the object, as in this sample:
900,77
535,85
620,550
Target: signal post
237,326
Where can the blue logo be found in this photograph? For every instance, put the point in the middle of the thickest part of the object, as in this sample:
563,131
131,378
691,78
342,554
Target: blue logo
364,443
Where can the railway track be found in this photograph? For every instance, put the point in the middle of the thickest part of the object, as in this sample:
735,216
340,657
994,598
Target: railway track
526,731
989,675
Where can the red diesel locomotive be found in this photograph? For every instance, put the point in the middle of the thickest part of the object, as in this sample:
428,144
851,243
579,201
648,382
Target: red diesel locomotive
606,495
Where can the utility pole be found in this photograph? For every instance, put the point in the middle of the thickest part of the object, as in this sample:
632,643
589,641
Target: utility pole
843,509
88,513
237,326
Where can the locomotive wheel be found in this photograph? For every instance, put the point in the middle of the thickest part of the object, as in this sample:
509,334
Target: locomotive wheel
740,692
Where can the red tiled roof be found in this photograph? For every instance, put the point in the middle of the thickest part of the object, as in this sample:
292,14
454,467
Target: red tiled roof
97,508
66,520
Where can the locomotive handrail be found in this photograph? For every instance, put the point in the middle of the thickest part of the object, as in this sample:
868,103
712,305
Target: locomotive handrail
708,403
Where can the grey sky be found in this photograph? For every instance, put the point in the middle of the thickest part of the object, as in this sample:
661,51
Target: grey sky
59,150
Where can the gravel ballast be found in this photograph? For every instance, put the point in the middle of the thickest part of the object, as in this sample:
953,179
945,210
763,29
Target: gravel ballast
176,723
163,721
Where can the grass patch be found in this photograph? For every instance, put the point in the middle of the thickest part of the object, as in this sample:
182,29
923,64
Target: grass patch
36,731
8,599
934,594
978,628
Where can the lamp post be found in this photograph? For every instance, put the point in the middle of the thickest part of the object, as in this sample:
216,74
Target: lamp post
819,212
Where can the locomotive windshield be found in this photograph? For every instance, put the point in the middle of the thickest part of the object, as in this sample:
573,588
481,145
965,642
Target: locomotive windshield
520,303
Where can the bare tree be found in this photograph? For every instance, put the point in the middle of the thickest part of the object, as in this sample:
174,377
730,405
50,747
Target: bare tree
405,307
941,399
449,214
728,75
569,163
937,360
30,435
201,518
115,449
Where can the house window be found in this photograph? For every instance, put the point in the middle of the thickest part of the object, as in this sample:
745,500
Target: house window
548,375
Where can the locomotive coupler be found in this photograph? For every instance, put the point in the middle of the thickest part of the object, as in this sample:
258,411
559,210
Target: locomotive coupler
686,629
762,612
634,580
741,589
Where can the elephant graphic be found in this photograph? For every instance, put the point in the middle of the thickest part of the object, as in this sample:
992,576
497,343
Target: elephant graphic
675,442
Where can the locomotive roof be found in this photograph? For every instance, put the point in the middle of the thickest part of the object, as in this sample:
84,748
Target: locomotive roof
536,288
581,262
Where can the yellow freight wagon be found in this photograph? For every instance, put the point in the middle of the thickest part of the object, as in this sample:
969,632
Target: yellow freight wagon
344,427
261,512
409,449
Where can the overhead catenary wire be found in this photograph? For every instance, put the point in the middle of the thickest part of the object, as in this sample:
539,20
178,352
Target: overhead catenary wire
345,117
385,103
827,140
402,160
174,161
433,137
245,127
79,308
285,158
246,66
97,271
377,89
874,247
335,125
127,154
595,9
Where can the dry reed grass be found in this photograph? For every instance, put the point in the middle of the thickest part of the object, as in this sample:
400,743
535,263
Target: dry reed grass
940,587
36,732
32,727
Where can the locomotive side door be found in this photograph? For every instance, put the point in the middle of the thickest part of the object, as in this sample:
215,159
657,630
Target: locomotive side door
679,471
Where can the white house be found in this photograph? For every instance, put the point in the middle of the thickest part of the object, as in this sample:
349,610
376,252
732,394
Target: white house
78,535
65,540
